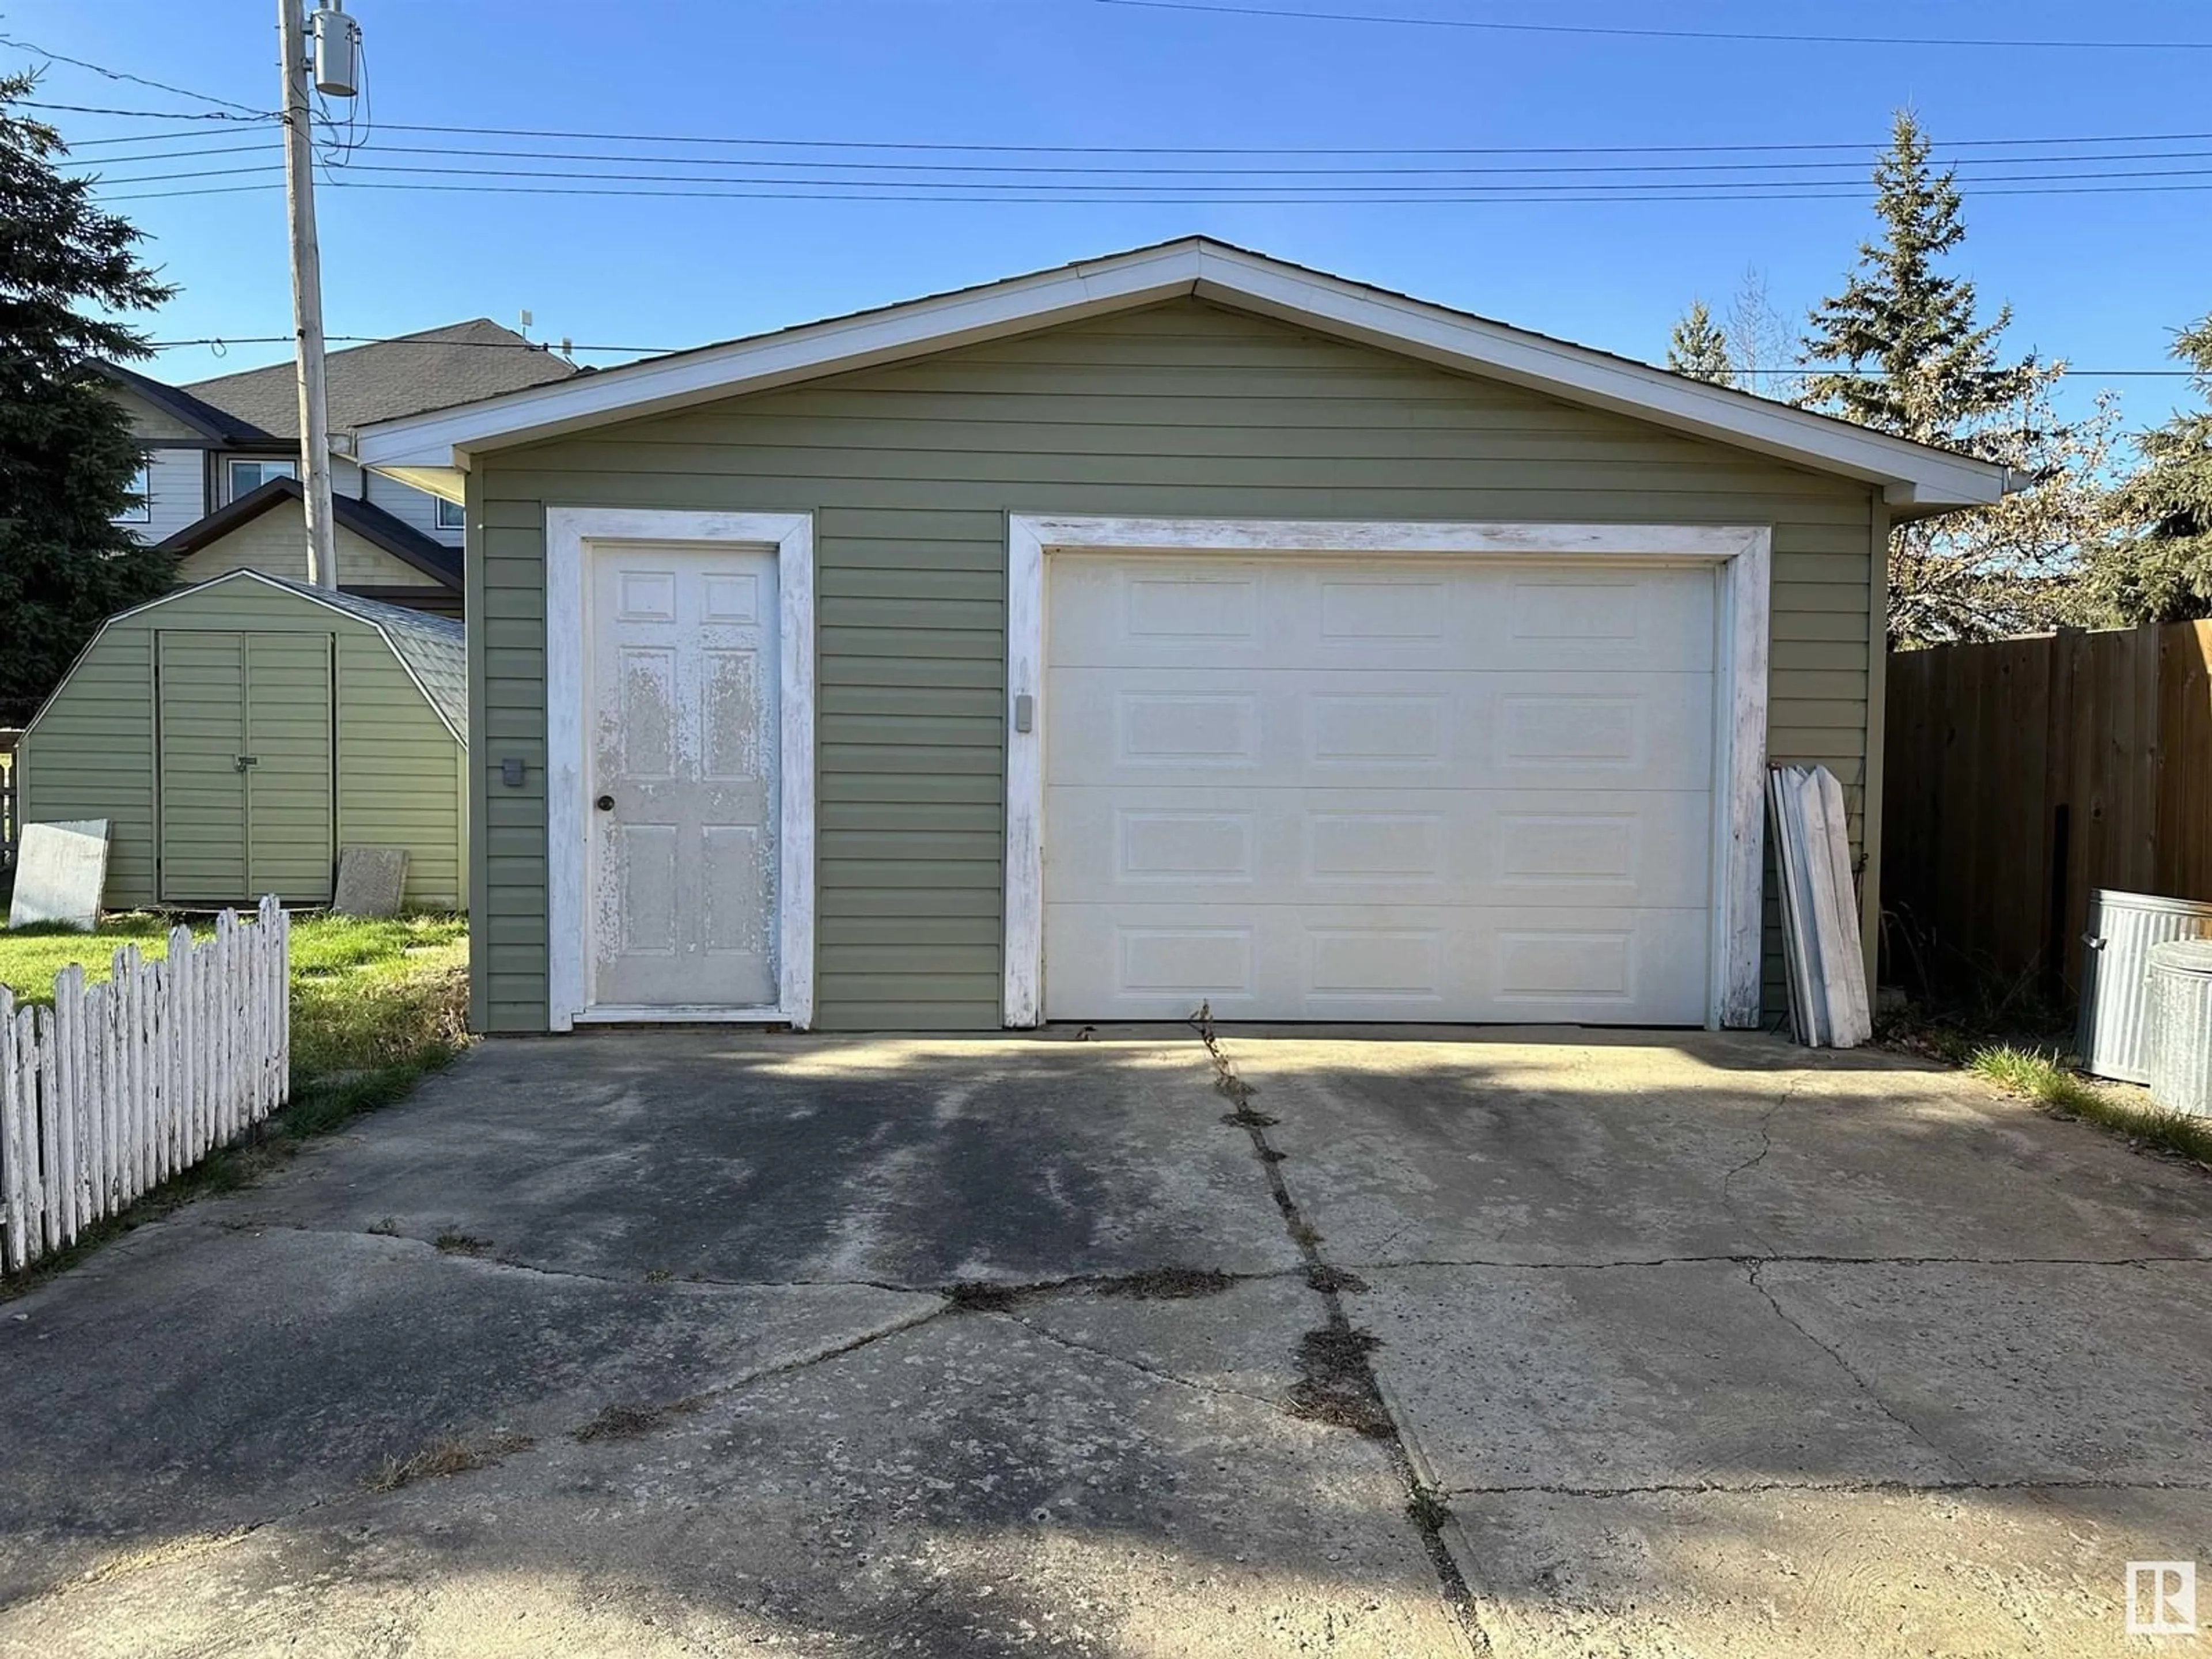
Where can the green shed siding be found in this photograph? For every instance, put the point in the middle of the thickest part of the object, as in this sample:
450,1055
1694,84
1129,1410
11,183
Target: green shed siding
89,754
1185,408
92,751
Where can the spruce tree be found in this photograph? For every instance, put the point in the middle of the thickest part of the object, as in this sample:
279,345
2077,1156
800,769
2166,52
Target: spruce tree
1698,349
1934,368
1908,355
67,456
2162,573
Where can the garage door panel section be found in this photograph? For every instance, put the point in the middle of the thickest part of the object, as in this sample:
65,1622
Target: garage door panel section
1359,789
1538,965
1159,612
1215,843
1313,727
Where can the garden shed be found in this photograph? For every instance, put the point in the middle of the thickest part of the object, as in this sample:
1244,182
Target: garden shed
236,733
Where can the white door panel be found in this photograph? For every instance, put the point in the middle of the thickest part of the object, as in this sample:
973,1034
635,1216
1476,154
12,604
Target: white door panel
1232,613
1310,727
1368,789
1212,844
682,724
1535,965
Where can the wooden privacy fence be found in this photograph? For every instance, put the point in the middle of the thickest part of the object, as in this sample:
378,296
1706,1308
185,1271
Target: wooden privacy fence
116,1087
2018,775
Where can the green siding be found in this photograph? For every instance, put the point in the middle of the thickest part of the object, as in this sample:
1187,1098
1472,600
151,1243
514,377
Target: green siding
1182,410
400,773
89,754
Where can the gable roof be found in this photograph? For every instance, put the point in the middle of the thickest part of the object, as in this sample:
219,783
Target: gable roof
390,379
369,522
428,450
204,417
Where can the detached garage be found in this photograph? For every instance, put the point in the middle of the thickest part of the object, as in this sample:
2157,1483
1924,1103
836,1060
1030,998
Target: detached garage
1183,626
236,733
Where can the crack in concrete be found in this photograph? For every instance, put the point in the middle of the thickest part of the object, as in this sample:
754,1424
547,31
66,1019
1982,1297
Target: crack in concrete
1067,1285
1138,1366
1864,1384
1766,1145
1426,1513
1785,1258
1724,1488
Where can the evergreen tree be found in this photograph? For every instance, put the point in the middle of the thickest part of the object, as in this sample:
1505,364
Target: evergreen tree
1698,349
1935,372
1911,356
2163,572
67,456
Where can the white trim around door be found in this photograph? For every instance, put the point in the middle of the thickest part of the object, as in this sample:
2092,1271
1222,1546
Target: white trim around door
570,533
1741,555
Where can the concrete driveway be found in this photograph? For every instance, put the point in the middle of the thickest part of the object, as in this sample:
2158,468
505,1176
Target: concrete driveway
698,1343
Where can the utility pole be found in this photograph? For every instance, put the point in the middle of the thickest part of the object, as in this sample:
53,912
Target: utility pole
308,268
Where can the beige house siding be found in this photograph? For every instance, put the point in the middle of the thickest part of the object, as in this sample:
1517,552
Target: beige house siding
1181,409
91,751
276,542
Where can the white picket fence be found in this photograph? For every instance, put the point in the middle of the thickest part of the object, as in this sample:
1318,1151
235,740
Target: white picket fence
118,1086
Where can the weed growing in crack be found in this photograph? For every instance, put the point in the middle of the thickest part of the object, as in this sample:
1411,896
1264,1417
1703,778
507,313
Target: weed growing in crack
445,1457
1245,1118
1428,1510
658,1276
388,1228
1337,1385
1304,1233
1332,1281
979,1295
456,1243
626,1422
1168,1283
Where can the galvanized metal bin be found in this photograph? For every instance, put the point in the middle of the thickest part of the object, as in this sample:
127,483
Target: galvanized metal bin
2178,985
2123,927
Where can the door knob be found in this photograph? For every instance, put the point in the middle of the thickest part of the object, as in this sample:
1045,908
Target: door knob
604,803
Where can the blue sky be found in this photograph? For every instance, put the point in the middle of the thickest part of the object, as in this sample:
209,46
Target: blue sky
2101,278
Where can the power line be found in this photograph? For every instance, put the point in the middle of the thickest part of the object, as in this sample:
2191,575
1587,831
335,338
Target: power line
120,75
1865,147
1620,32
1748,194
865,189
1855,168
145,114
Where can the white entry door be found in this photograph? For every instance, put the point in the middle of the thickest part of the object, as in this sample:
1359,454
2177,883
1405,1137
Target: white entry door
1313,788
682,745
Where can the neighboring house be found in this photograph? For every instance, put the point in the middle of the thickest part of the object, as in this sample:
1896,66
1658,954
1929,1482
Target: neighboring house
236,733
220,486
1177,626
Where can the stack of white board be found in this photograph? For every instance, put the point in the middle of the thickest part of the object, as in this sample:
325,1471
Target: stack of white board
1828,1005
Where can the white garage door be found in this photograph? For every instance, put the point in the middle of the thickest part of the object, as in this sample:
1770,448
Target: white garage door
1324,789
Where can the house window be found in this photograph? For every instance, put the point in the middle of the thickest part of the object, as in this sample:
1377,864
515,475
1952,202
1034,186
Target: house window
141,486
247,477
452,515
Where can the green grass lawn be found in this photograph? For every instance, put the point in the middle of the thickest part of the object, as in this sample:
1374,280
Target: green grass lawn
376,1006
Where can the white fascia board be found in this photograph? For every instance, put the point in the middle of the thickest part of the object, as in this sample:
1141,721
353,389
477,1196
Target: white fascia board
429,450
445,440
1454,340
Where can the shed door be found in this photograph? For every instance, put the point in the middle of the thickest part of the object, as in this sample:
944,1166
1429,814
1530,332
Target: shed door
1332,790
245,767
684,843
